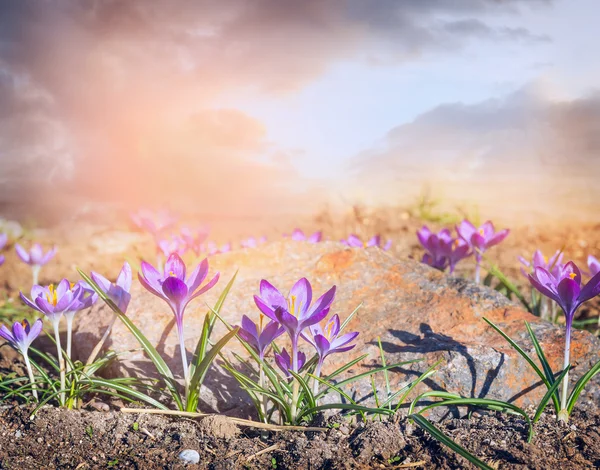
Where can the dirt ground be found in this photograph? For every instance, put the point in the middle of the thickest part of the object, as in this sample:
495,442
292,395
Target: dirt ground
65,439
93,439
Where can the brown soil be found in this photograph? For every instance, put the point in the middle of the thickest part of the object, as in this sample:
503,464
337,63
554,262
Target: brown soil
65,439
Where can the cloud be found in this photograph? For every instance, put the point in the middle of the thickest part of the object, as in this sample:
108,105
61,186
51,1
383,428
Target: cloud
527,147
96,96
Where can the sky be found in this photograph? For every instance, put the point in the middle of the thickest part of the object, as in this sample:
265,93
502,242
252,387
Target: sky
270,106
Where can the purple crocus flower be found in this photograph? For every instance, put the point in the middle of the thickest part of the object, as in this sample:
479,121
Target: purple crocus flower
327,341
119,291
566,290
434,244
20,337
35,258
3,240
22,334
177,291
540,261
355,242
284,362
593,265
480,239
258,337
299,236
2,259
294,313
65,299
213,249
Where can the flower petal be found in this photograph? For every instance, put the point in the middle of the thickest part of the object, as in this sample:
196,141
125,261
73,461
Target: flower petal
125,277
323,302
209,285
175,267
271,295
198,275
302,293
591,289
264,308
102,282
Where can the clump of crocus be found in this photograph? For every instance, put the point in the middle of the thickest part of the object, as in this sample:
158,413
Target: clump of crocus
480,240
327,341
35,258
172,286
355,242
593,265
20,337
295,313
442,249
118,292
299,236
565,288
54,302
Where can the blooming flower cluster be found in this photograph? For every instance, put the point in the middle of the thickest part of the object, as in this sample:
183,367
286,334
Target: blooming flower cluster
297,315
443,250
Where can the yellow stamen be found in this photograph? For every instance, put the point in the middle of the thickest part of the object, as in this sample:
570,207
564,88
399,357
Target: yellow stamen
327,330
172,274
292,304
481,232
260,322
456,243
51,296
572,275
545,260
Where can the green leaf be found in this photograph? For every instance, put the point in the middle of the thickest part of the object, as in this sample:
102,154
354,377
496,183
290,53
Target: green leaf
546,366
207,327
550,393
159,363
202,368
371,372
347,320
428,373
444,439
523,354
307,391
579,386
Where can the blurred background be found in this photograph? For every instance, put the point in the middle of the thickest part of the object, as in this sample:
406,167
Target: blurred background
255,109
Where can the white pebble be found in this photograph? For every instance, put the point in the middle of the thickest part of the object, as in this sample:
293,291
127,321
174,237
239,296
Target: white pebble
189,456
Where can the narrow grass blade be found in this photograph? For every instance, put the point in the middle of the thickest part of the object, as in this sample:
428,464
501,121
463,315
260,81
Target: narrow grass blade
550,393
202,368
426,425
207,327
580,385
371,372
545,365
345,367
97,382
305,388
523,354
428,373
349,318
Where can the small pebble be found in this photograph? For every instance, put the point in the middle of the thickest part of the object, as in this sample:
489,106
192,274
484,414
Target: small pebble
189,456
18,434
40,440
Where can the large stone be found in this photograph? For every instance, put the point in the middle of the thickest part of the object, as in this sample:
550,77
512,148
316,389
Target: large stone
416,311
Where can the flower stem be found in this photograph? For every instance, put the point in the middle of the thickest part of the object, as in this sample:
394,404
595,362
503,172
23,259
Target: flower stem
317,374
30,373
69,317
295,385
261,384
563,415
478,270
61,363
35,271
184,362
